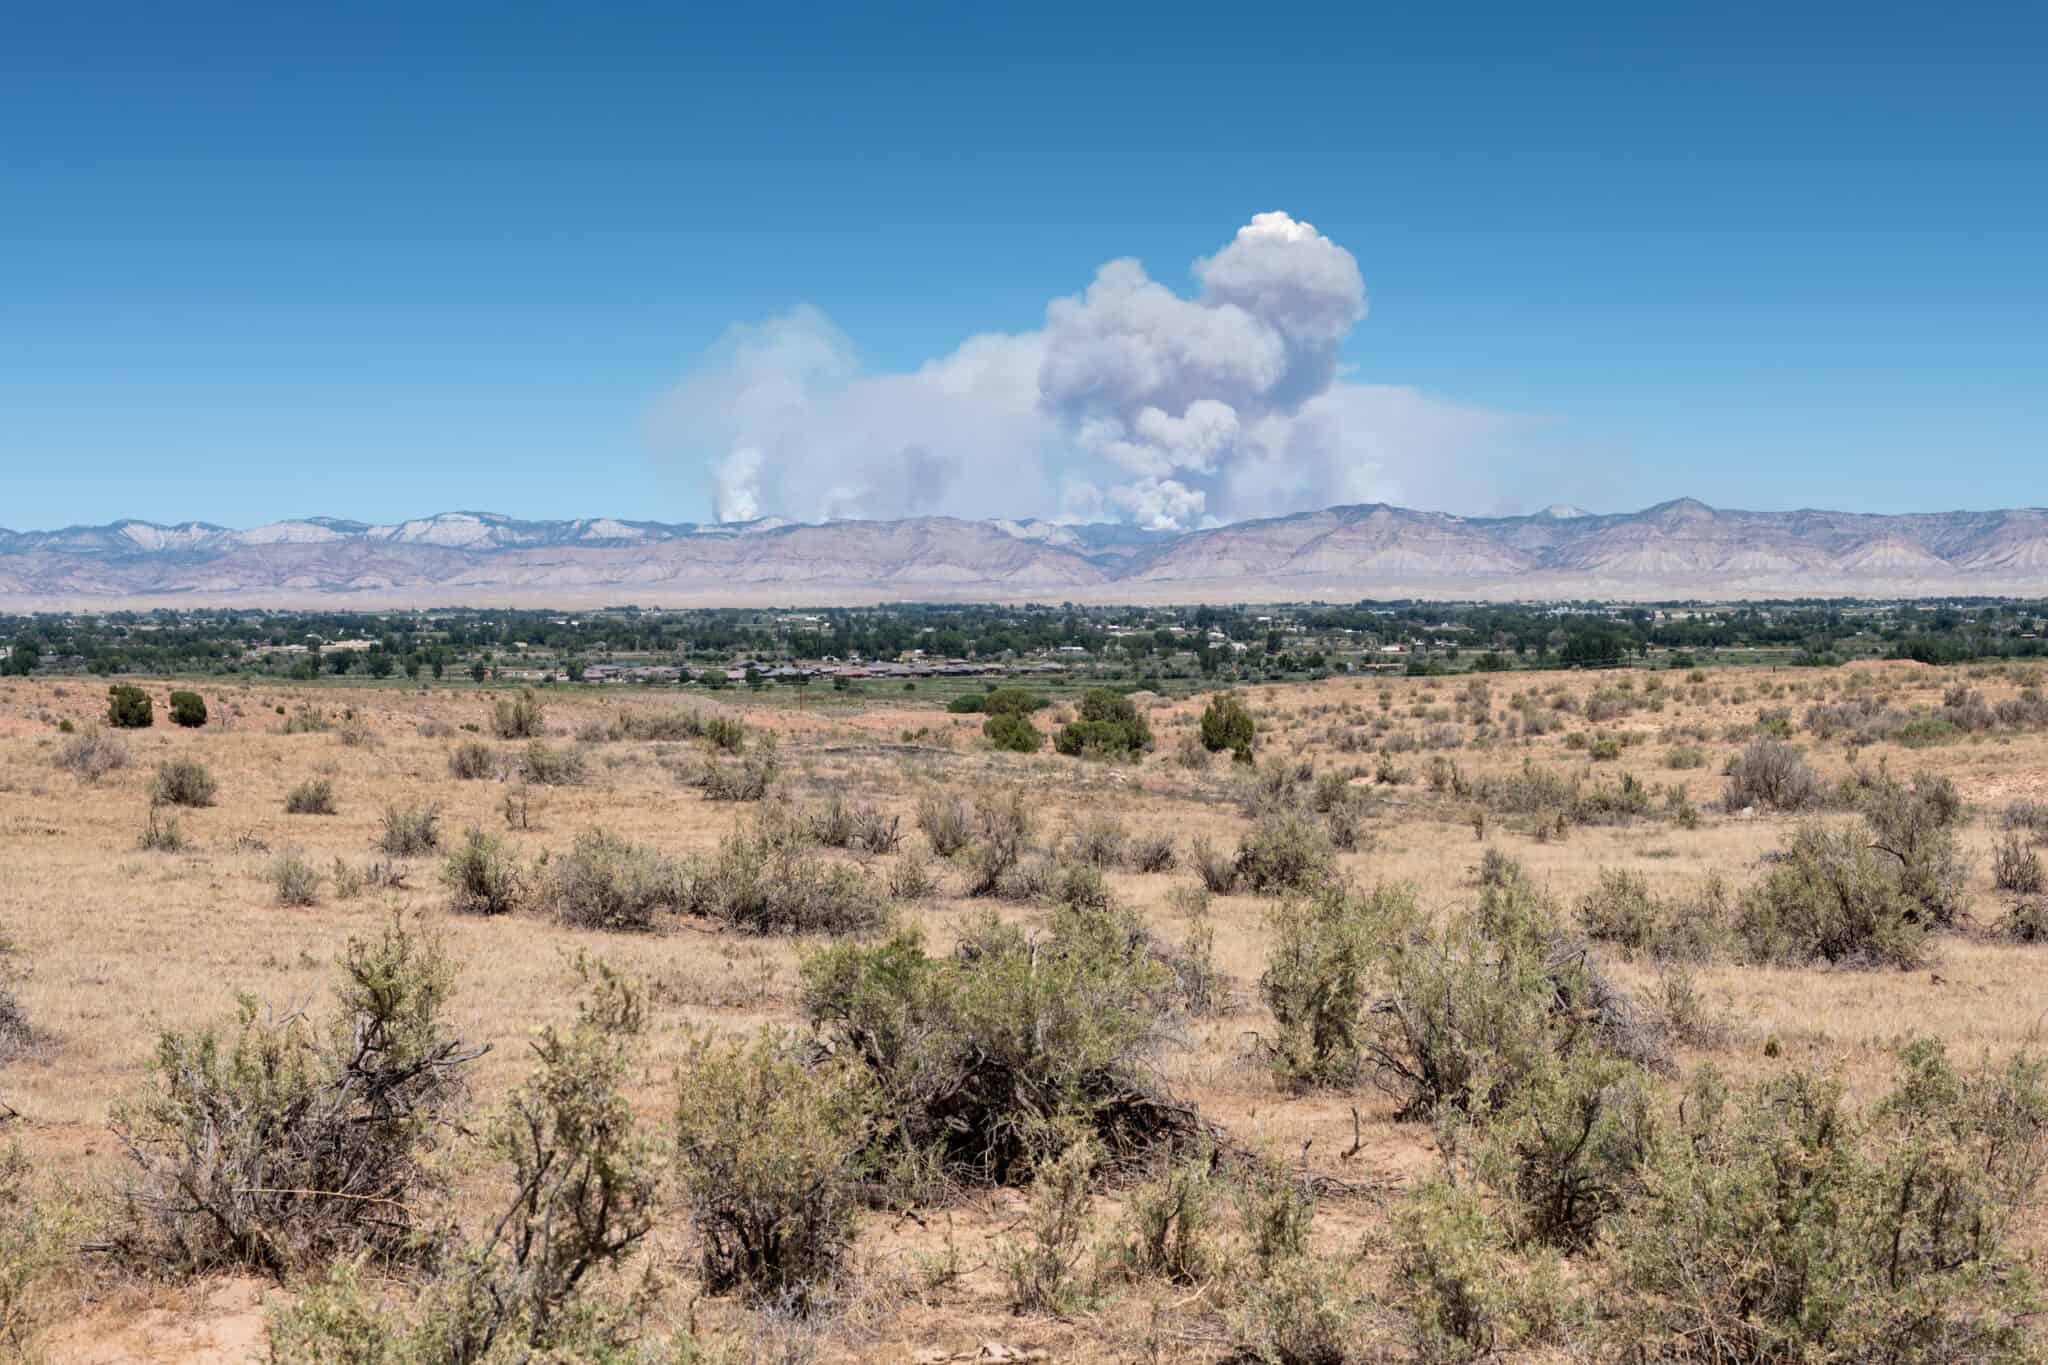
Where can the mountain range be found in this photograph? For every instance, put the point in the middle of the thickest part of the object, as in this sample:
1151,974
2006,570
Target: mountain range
1679,549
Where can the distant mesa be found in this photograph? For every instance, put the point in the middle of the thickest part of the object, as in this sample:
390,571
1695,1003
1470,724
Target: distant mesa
1677,549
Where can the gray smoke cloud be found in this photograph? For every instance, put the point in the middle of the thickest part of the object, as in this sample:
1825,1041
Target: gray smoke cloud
1133,403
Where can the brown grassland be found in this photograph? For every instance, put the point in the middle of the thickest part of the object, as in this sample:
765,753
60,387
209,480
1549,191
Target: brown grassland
118,943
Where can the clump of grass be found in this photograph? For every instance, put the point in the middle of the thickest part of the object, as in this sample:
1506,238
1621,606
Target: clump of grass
312,797
160,832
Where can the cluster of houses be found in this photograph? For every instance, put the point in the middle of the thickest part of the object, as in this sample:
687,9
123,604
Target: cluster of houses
825,670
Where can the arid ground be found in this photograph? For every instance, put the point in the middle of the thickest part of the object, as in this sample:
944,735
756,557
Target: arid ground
119,943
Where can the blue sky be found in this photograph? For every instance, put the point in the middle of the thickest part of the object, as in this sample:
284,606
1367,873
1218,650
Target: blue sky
383,261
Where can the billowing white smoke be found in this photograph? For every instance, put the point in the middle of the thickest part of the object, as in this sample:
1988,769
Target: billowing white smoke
1133,402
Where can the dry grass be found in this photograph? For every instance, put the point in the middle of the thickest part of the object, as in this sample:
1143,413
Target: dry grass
123,944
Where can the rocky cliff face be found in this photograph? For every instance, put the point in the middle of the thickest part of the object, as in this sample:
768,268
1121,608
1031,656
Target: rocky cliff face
1676,549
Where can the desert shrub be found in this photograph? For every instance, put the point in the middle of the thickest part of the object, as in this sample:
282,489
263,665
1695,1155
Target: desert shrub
183,782
748,779
1042,1266
296,881
772,1154
1917,826
275,1143
160,832
1170,1229
2028,817
129,707
305,720
1299,1310
1228,725
946,822
979,1053
472,760
1467,1012
410,831
1013,733
542,764
1317,981
648,724
911,879
92,753
481,876
2026,921
861,826
1604,749
354,730
1011,701
606,882
759,884
1282,854
1003,829
1099,842
1460,1296
1685,757
1786,1227
1622,909
1217,869
188,709
1152,853
315,796
1830,897
2017,868
15,1031
1566,1149
1770,775
583,1188
728,733
520,717
1109,726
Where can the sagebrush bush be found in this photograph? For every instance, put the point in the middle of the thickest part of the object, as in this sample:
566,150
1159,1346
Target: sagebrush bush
2016,868
1317,983
1098,841
946,822
92,753
482,877
583,1184
1043,1265
606,882
183,782
726,732
1299,1310
1171,1224
1783,1226
1830,897
1217,869
277,1143
520,717
1282,854
410,831
979,1053
1622,909
472,760
748,779
773,1154
1770,775
1461,1297
542,764
1003,824
760,884
1917,826
161,833
315,796
1152,853
296,881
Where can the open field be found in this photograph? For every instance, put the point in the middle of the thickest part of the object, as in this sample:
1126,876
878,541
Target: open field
120,943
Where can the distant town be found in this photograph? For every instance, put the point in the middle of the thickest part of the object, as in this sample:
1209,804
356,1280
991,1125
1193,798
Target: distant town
844,648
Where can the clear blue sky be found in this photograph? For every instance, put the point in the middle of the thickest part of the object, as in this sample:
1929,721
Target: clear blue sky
379,261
